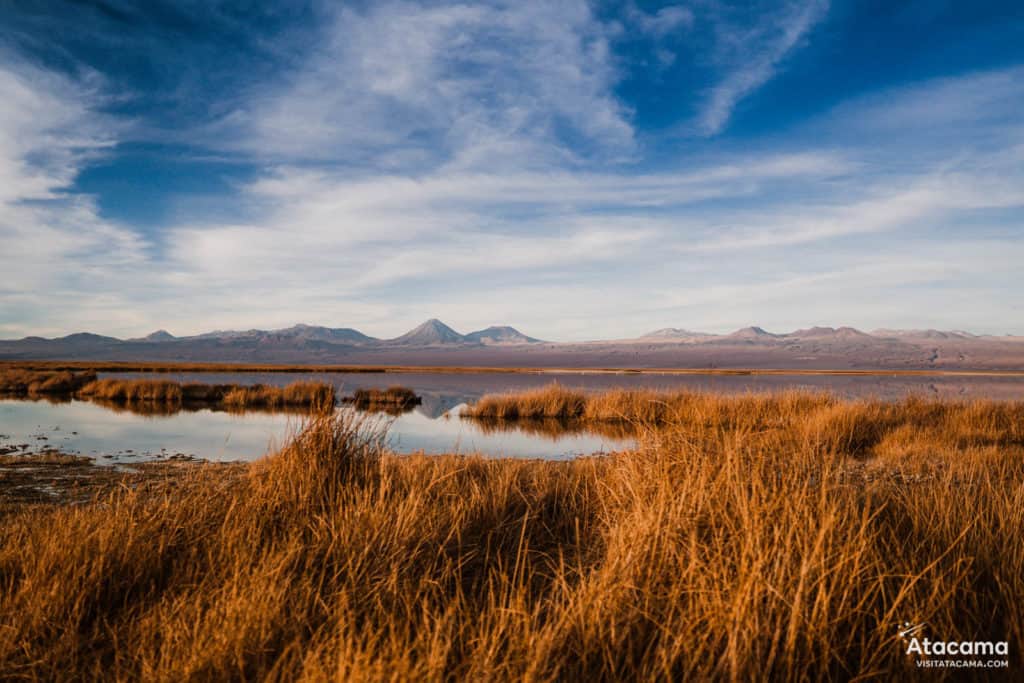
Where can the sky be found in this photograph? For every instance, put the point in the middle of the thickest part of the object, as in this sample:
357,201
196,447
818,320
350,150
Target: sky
579,170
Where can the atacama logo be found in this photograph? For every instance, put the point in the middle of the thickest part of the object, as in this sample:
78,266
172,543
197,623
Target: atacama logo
953,653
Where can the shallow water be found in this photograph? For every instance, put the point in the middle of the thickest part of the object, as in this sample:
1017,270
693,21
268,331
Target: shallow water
120,436
83,428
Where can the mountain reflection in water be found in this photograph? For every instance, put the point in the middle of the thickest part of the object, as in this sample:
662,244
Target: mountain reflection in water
128,432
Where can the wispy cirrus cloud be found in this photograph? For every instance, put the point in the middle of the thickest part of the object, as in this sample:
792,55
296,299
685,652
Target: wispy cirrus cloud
932,198
749,52
408,86
56,246
660,22
388,230
48,129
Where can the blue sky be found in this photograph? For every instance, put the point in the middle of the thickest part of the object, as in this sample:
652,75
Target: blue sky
579,170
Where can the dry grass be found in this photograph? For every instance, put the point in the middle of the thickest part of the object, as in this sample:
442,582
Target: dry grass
760,411
17,382
747,538
556,402
294,394
52,457
132,390
312,394
147,394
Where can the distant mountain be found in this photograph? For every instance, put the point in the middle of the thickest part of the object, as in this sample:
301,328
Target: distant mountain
434,343
334,335
158,336
751,332
327,334
668,333
829,333
430,333
925,334
499,334
87,338
78,345
227,334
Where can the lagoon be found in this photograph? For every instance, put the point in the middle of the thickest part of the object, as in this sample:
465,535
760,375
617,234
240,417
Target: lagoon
114,436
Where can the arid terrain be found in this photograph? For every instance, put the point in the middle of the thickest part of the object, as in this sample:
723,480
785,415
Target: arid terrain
435,344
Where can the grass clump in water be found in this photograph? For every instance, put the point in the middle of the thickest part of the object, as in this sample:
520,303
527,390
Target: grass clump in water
17,382
316,394
232,396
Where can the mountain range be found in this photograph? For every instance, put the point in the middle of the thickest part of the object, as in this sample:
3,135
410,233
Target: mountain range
435,343
432,332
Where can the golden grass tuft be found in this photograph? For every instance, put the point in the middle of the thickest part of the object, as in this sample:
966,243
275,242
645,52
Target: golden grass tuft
315,394
847,425
630,405
111,391
161,391
551,402
17,382
746,538
231,396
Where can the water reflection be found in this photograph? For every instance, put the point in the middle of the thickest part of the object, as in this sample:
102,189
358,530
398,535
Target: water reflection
86,428
389,410
163,409
130,432
556,429
416,432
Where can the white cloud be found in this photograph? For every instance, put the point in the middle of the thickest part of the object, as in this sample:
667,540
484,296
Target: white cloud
383,230
966,105
960,281
751,56
404,85
59,254
931,199
553,186
662,22
46,131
